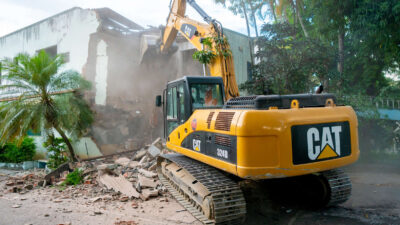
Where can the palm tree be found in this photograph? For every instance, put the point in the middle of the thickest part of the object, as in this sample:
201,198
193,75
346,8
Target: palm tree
281,8
42,98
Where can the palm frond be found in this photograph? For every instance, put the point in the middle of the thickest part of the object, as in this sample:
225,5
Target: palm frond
41,97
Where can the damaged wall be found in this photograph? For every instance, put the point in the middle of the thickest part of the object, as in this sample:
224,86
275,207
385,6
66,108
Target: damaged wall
105,48
128,118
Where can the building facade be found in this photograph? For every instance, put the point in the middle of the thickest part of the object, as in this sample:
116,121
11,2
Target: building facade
107,49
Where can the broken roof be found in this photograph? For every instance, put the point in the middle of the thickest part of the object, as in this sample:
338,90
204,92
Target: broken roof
107,17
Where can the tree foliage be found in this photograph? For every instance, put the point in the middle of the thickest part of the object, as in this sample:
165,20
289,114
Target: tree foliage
56,149
289,64
47,98
348,46
13,153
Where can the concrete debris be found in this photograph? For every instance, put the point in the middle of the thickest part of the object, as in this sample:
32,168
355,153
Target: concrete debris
95,199
154,151
133,164
131,175
106,169
158,143
148,174
142,152
119,184
147,193
147,182
143,160
153,167
123,161
156,147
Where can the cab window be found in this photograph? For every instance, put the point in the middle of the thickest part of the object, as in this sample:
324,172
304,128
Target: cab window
181,105
206,96
172,112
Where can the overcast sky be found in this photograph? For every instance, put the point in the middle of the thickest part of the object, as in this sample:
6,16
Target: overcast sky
16,14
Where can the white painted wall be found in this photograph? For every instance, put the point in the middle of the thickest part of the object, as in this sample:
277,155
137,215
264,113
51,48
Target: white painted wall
70,31
101,73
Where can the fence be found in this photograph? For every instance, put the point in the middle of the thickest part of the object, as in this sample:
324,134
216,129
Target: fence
380,103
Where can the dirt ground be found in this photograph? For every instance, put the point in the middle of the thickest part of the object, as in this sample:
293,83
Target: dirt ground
375,200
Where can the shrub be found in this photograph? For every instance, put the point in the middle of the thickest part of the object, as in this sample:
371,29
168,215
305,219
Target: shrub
74,178
13,153
56,148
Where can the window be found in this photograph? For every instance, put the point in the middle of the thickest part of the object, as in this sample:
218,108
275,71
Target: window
206,96
172,109
181,96
172,102
51,51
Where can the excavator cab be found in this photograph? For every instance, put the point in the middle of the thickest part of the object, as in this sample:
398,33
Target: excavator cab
183,96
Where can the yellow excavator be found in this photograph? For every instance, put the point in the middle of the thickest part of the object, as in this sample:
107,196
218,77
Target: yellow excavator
220,138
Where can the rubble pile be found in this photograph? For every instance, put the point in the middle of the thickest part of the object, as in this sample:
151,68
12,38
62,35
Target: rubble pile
24,182
119,178
119,133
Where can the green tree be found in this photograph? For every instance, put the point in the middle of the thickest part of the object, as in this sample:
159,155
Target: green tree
57,151
10,152
46,99
289,63
238,7
249,9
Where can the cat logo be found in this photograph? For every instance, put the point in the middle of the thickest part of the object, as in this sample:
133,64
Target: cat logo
323,145
189,30
196,145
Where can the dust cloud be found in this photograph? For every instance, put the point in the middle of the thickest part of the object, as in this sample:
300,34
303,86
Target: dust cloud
129,119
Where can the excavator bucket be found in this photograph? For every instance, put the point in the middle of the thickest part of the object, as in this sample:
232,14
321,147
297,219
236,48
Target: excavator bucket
150,47
162,43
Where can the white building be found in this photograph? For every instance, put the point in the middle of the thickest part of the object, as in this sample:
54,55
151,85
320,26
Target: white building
105,48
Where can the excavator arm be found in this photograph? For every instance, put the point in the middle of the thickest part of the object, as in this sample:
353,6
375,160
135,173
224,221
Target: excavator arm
195,32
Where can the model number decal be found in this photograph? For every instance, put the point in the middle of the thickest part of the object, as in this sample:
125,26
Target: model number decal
222,153
196,145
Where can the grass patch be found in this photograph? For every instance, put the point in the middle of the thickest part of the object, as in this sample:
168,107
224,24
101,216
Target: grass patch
74,178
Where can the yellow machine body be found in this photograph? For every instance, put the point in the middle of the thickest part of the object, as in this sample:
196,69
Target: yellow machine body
264,147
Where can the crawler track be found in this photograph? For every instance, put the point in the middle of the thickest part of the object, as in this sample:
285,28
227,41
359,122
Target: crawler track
204,191
339,186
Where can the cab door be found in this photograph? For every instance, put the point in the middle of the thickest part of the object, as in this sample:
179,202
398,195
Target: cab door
175,107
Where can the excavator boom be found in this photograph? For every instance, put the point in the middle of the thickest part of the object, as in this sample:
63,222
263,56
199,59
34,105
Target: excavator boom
194,32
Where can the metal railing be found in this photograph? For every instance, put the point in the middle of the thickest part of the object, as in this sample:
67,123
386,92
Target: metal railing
380,103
